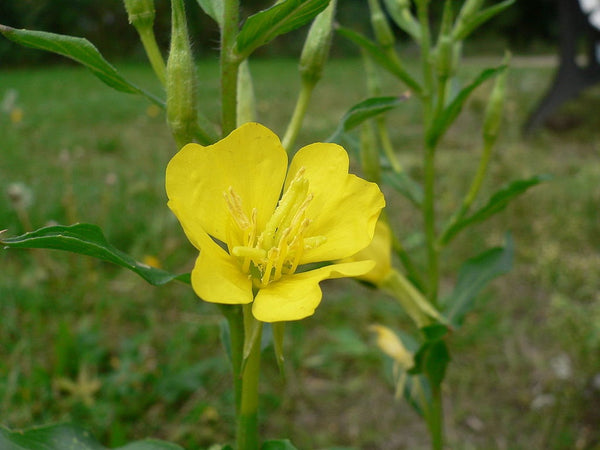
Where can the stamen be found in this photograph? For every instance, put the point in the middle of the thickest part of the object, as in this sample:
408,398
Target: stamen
314,242
288,205
234,204
249,252
272,256
278,249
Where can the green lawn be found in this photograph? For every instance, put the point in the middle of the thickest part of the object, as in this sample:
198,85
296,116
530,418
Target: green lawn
83,341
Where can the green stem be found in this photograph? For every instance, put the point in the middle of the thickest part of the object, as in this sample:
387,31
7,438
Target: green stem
429,221
235,320
428,208
298,116
410,267
471,194
435,419
152,51
386,143
247,419
230,62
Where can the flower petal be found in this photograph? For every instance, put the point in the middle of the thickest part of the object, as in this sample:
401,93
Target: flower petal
344,209
216,276
250,160
296,296
379,250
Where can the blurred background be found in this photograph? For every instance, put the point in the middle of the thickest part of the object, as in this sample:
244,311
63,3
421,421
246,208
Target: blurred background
528,26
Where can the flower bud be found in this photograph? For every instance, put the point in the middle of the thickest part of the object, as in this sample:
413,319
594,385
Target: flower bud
468,10
493,114
246,102
140,13
383,32
316,47
445,57
403,17
181,80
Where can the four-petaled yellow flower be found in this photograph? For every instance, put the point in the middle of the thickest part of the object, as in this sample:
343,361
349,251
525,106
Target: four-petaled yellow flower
257,223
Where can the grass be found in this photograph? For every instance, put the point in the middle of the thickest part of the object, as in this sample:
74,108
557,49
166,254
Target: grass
82,341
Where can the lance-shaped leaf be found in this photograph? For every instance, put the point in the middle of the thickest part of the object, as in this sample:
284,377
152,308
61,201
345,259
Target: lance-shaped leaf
495,204
432,360
443,121
388,62
470,24
281,18
87,239
473,276
365,110
80,50
65,437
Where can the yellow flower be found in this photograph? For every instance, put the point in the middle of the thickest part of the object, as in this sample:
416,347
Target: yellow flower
379,250
253,240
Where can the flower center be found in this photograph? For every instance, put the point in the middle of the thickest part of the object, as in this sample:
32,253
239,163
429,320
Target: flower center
277,250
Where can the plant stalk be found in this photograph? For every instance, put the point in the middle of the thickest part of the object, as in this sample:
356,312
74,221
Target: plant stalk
298,115
435,419
152,51
247,419
230,62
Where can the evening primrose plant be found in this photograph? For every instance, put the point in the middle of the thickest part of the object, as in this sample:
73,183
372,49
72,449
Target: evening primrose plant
268,231
421,359
270,221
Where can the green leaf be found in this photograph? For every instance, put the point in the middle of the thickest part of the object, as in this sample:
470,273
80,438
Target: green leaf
473,276
279,444
264,26
214,8
87,239
474,22
495,204
432,360
434,332
67,437
405,185
443,121
80,50
362,111
382,58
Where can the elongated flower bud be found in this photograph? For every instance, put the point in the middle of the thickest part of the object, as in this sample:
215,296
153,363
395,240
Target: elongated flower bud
445,57
495,106
403,17
444,62
381,26
181,80
317,44
140,13
469,9
246,102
